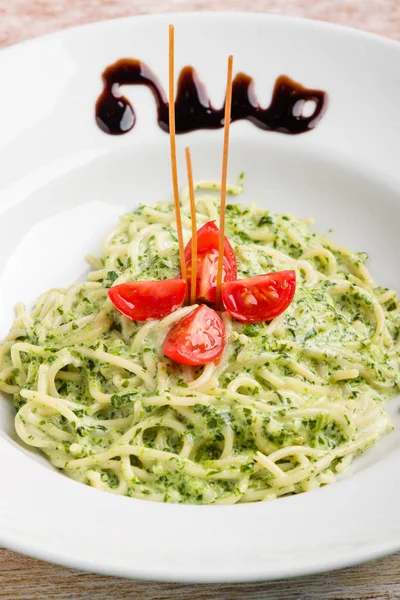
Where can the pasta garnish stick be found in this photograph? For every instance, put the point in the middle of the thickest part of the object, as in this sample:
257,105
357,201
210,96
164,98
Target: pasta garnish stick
194,226
172,142
227,120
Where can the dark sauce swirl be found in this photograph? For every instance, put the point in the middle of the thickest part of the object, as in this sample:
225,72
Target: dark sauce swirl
115,114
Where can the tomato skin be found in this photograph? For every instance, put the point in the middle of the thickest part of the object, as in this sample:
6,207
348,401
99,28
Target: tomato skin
259,298
207,262
143,300
197,339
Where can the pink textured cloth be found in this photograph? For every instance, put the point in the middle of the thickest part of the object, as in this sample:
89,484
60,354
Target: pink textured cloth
23,19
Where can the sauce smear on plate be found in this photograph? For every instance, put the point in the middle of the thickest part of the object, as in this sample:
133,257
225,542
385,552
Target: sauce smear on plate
193,109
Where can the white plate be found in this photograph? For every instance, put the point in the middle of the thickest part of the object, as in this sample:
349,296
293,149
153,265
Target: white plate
63,184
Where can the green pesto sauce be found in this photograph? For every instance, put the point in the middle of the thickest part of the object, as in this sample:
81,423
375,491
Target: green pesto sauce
325,331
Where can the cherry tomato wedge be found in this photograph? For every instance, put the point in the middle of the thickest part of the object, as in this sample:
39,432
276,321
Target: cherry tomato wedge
197,339
259,298
207,262
142,300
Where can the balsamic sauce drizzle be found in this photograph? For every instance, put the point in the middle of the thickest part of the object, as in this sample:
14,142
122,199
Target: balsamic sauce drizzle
115,114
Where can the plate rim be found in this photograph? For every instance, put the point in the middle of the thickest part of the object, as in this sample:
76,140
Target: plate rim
347,29
188,577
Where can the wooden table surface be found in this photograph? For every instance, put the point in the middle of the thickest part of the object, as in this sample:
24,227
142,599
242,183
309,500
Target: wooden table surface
27,578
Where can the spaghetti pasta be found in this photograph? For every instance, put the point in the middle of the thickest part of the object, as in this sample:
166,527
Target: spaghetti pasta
290,403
